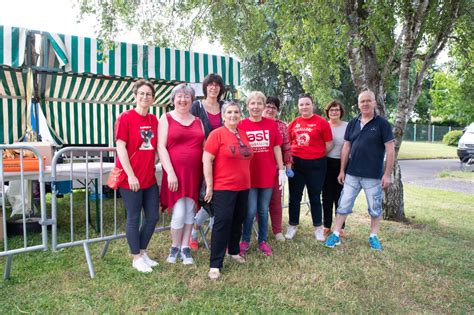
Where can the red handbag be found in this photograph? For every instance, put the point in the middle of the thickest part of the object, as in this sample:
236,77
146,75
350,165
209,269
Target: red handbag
117,176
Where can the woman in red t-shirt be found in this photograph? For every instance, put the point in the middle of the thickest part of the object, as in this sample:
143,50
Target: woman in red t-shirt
226,160
311,138
265,140
136,138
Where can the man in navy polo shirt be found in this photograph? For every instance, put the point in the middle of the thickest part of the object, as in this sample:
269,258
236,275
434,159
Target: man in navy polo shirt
367,139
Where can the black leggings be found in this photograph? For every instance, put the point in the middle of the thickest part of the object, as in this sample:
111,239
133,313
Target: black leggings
331,190
148,199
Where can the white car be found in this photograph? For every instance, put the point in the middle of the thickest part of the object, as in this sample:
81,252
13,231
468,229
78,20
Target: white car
466,143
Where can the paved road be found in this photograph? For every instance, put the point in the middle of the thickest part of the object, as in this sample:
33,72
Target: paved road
425,173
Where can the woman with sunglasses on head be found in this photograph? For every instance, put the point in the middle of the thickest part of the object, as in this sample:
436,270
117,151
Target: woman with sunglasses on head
180,145
332,189
311,139
226,160
209,111
265,140
136,136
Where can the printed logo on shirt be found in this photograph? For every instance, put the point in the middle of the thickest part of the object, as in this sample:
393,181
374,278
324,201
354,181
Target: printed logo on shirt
147,134
240,151
302,139
259,140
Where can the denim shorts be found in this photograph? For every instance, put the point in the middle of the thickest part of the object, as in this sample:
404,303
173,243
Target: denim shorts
373,193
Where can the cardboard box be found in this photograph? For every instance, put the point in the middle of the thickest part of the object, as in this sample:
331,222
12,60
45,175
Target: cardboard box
45,149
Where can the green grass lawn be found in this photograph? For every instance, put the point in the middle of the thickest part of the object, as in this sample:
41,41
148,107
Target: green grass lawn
426,150
465,176
426,267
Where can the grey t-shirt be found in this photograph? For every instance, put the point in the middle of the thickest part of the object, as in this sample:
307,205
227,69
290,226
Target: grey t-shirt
338,139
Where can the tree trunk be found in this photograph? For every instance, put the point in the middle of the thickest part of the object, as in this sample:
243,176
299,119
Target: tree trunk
392,202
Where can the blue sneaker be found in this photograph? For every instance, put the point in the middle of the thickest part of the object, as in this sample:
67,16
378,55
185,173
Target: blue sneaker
374,243
332,241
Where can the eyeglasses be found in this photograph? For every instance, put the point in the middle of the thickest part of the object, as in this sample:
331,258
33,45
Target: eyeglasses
334,110
145,94
272,107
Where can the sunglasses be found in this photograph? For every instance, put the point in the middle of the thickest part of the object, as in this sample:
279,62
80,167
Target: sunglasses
244,150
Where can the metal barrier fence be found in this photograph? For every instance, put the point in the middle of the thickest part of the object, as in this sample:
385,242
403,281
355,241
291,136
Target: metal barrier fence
22,175
86,169
430,133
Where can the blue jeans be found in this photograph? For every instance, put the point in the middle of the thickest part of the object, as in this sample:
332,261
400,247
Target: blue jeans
373,193
259,199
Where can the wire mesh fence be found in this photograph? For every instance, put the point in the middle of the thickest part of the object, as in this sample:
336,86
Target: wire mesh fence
427,133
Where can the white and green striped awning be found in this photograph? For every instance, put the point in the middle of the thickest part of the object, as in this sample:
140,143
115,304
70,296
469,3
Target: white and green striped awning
13,113
12,46
80,93
83,109
86,123
76,54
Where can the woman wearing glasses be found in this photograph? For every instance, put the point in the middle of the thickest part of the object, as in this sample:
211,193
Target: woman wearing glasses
272,108
265,140
332,189
209,111
180,143
226,160
311,138
136,138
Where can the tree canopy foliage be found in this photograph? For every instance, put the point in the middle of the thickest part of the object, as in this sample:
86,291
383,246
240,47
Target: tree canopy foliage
388,45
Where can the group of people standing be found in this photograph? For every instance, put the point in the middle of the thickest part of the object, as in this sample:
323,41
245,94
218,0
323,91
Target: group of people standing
242,165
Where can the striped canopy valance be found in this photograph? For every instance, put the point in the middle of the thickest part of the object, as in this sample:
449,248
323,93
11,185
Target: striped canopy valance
75,54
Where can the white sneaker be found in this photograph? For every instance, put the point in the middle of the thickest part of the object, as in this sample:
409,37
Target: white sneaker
280,237
291,232
186,256
150,262
319,234
141,265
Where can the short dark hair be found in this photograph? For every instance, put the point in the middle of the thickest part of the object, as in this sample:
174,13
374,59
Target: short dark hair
335,103
139,83
305,95
275,101
213,78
